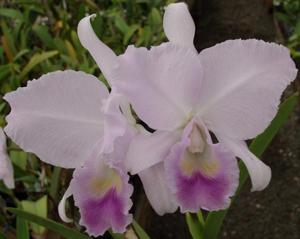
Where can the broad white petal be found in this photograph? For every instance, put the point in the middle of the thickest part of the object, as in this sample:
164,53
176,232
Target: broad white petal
162,84
148,150
6,169
179,26
62,206
102,54
58,117
242,86
156,189
259,172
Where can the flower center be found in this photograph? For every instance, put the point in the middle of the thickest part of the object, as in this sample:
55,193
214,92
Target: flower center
103,183
199,156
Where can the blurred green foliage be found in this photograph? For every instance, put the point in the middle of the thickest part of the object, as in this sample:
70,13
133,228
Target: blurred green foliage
288,13
39,36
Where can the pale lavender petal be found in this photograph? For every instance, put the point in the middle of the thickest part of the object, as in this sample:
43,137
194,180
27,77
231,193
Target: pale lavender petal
179,26
205,180
6,169
162,83
259,172
58,117
146,150
157,190
102,194
115,124
242,86
62,206
102,54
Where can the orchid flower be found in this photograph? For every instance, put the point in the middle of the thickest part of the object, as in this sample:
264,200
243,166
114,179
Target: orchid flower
6,169
69,119
231,91
64,118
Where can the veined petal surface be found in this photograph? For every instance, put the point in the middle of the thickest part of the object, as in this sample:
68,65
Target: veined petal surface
242,85
162,84
58,117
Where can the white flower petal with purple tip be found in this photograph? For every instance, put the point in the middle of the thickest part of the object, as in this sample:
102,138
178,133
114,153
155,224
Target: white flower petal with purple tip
102,194
201,174
6,169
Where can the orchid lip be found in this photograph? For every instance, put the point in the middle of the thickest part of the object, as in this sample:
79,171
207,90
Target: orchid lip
200,174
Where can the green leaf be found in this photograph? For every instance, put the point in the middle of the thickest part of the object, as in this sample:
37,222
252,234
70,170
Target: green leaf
35,60
139,230
55,182
121,24
98,26
297,28
71,51
2,106
195,227
20,54
60,229
43,33
60,45
130,31
4,71
214,220
38,208
22,228
4,189
145,35
9,12
19,158
116,235
155,18
9,40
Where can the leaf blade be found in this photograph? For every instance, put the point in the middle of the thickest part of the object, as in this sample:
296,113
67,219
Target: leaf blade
139,230
51,225
195,228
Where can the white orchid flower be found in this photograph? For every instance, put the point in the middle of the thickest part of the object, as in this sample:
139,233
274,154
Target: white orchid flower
232,90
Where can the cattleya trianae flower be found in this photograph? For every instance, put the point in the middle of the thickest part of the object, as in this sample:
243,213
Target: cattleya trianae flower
201,107
6,169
